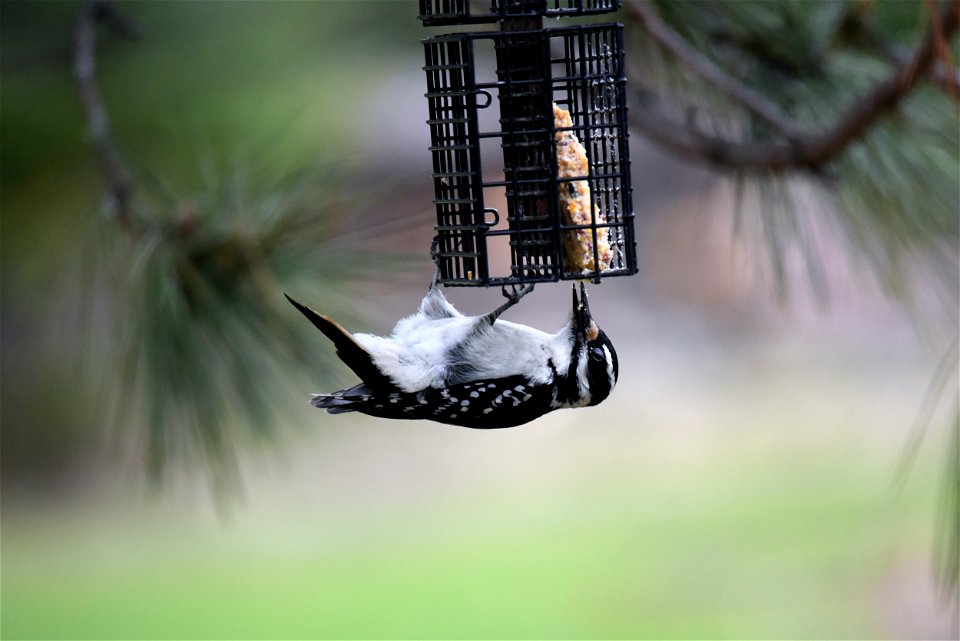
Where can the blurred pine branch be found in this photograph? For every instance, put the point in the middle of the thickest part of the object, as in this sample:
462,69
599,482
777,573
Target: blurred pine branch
190,260
804,91
848,106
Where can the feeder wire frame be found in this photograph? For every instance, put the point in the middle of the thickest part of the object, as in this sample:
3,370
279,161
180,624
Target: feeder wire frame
453,12
591,86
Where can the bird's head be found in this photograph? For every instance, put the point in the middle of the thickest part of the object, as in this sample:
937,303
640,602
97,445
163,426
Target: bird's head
593,361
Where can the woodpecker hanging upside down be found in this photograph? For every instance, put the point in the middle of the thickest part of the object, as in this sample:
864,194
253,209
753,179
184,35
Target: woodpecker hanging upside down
472,371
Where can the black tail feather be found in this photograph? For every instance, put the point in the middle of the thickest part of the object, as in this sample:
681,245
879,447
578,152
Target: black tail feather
348,400
332,404
349,351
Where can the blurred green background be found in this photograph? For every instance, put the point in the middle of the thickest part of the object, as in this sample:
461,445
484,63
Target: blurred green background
740,482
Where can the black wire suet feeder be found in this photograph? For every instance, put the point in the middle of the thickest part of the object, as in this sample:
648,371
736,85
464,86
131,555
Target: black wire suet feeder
555,103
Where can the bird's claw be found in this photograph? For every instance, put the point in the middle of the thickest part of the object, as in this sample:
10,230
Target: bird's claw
514,295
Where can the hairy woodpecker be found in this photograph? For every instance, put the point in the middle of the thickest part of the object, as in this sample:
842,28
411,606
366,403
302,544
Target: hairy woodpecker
472,371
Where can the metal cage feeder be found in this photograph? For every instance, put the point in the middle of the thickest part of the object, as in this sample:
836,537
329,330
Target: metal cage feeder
446,12
555,105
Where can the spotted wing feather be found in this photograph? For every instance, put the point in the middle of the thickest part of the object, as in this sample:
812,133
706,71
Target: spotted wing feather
505,402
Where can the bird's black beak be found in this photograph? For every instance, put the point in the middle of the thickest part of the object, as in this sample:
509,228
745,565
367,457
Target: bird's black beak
584,329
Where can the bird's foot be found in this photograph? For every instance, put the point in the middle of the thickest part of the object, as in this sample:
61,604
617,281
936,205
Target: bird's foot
513,297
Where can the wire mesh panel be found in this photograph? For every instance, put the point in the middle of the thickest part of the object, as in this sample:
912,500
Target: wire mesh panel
452,105
441,12
560,125
523,80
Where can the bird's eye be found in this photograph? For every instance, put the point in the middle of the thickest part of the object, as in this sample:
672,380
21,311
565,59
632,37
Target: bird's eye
596,352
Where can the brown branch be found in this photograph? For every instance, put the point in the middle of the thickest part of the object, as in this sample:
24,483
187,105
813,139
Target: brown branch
940,42
690,141
811,151
98,123
646,15
944,74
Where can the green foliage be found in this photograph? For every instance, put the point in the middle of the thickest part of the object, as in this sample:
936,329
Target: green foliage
244,186
208,346
892,191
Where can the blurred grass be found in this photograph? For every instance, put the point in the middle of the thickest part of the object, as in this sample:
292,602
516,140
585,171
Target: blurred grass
782,546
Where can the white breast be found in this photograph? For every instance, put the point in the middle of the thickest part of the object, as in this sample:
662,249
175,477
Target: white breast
418,353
